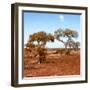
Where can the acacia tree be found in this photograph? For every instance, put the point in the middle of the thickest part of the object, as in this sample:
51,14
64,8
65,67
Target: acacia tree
68,35
76,45
41,38
70,43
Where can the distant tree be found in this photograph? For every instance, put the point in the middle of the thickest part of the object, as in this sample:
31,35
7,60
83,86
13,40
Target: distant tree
70,43
66,36
77,44
69,33
59,34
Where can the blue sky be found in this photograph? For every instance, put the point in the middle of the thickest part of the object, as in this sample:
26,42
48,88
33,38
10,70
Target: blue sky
49,22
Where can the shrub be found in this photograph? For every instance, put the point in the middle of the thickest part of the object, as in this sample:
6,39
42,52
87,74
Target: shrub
42,54
61,50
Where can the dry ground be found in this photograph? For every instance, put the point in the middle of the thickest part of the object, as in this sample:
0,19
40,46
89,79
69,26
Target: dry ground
55,65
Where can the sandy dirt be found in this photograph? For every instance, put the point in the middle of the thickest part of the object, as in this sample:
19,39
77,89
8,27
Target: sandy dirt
54,65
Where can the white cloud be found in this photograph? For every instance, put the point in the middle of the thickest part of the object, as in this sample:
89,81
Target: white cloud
61,17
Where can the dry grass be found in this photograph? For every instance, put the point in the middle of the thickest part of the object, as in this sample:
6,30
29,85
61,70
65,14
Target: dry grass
54,65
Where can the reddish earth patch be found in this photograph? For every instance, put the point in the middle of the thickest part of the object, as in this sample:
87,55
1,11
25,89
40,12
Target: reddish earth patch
53,66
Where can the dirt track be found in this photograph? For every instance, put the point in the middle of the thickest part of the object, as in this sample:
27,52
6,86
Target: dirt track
61,65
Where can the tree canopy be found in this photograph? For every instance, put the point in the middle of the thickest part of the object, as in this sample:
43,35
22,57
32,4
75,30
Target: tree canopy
68,34
63,35
41,38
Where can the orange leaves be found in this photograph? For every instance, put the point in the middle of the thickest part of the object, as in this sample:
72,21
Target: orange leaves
50,37
41,37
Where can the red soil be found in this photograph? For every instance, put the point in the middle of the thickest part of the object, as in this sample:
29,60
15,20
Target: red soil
54,66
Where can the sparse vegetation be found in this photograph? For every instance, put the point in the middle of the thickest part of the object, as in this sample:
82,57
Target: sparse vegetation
41,38
67,34
36,55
